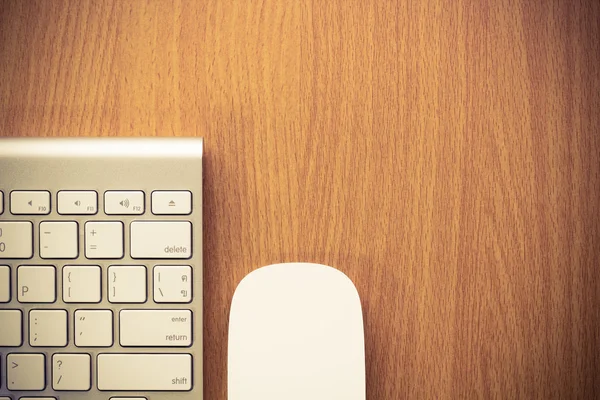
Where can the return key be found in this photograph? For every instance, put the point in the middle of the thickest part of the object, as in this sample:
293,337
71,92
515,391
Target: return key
161,328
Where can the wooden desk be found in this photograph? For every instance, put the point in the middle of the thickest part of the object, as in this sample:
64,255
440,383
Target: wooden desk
444,154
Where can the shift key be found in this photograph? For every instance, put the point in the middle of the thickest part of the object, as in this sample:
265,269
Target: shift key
152,372
161,239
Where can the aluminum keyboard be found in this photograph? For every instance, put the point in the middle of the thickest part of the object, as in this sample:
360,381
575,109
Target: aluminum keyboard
101,268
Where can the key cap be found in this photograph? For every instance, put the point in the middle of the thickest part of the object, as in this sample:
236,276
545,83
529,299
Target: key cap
122,398
11,328
71,372
37,398
164,328
127,284
160,372
36,284
16,240
25,372
48,328
82,284
4,284
104,240
59,240
171,202
161,239
1,202
77,202
30,202
124,203
172,284
93,328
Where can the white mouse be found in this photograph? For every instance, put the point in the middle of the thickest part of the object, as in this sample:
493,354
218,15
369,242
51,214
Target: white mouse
296,333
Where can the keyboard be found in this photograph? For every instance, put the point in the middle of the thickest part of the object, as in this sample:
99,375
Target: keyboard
101,268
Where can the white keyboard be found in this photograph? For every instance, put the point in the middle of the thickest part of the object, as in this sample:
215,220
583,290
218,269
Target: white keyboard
101,268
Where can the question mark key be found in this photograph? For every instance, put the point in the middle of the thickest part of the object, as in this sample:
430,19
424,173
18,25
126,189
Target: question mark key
71,372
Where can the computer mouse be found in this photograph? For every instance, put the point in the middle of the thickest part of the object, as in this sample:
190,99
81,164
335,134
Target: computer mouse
296,333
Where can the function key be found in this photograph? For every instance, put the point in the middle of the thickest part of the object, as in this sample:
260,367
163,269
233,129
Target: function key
72,202
30,202
124,202
171,202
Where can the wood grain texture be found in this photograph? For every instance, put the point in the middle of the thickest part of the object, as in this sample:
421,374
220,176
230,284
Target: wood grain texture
444,154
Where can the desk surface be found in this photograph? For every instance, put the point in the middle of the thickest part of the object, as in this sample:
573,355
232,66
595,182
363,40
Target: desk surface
444,154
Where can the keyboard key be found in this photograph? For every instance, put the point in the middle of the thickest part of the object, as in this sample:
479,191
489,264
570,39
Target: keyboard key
36,284
93,328
30,202
59,240
172,283
36,398
48,328
127,284
124,203
1,202
71,372
172,202
11,331
4,284
161,239
77,202
121,398
82,284
158,372
25,372
16,239
104,240
164,328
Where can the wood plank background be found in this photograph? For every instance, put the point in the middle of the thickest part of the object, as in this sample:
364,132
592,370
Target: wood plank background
444,154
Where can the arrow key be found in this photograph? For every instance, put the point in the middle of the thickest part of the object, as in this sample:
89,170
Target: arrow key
25,372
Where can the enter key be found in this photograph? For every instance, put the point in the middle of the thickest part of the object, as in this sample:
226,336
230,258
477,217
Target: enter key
157,328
